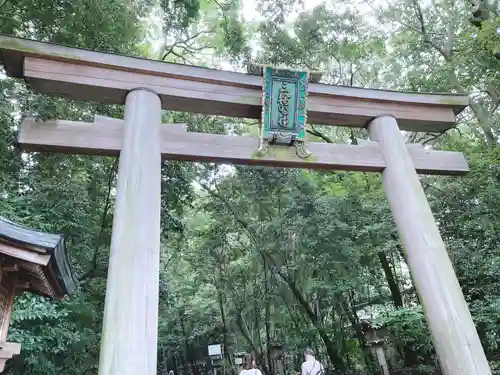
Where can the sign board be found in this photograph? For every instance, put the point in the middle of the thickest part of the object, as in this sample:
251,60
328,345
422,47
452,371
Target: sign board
215,351
284,109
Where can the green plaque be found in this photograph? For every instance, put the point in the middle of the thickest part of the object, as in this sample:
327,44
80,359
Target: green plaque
284,109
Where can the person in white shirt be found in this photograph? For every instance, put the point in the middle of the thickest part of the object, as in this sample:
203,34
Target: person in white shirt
311,366
249,366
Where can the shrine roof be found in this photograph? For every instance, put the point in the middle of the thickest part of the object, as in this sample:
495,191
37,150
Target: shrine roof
108,77
41,258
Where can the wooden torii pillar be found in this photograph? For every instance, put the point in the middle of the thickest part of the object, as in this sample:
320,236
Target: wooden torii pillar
145,87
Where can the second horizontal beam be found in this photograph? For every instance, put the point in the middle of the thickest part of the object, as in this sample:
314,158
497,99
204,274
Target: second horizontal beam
104,136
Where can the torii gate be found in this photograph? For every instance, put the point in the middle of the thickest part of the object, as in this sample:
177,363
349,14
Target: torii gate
129,337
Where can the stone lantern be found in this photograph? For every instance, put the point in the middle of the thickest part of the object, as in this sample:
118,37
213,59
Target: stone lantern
238,360
277,352
376,339
30,261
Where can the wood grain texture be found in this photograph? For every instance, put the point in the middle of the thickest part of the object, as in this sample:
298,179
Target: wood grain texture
28,256
7,289
13,51
170,131
104,138
454,334
368,143
130,326
82,82
38,281
12,347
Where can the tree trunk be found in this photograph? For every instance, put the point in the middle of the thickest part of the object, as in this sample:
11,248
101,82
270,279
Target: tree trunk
224,331
268,317
187,346
336,360
397,298
350,311
258,353
410,356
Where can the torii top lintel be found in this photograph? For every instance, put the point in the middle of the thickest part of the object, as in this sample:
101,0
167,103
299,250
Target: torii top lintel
107,78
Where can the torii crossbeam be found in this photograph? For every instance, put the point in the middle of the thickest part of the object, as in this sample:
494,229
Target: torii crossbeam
104,137
129,340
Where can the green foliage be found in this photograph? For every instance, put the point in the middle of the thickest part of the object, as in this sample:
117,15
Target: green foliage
408,328
107,25
48,331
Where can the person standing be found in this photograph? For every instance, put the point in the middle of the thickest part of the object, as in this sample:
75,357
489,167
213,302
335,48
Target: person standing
311,366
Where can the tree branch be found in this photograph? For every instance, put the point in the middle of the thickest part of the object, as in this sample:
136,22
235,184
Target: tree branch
433,187
494,94
423,31
433,138
316,133
244,331
244,224
482,115
185,41
92,271
450,30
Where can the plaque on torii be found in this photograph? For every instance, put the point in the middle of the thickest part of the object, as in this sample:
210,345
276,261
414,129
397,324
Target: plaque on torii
284,113
284,107
146,87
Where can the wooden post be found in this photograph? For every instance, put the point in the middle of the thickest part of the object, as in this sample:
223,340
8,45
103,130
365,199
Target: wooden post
130,327
454,334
